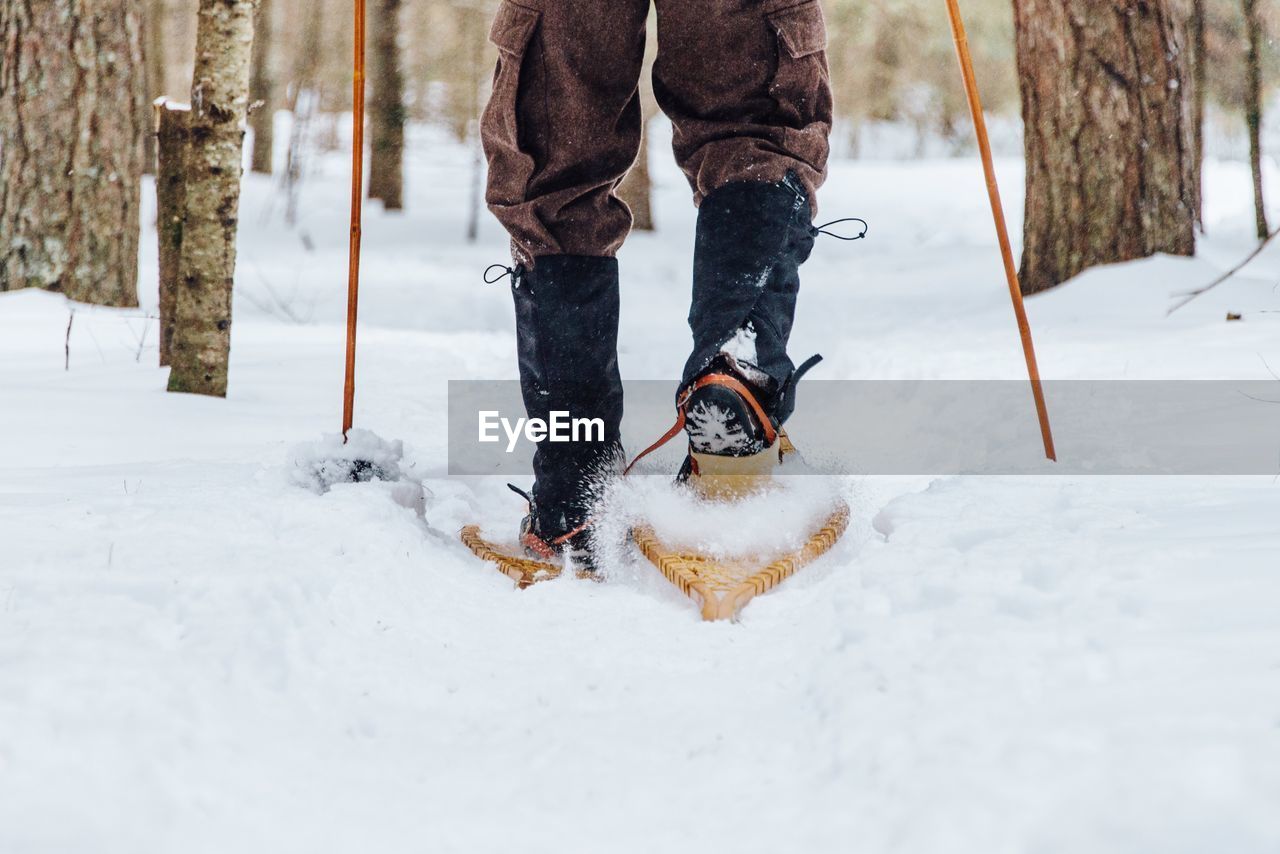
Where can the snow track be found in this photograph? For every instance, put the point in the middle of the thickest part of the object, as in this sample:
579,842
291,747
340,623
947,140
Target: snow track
197,655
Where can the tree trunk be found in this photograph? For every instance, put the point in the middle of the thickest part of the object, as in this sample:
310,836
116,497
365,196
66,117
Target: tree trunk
172,138
476,195
72,118
304,93
1253,108
262,91
1198,83
474,20
154,27
386,108
201,343
1107,131
637,189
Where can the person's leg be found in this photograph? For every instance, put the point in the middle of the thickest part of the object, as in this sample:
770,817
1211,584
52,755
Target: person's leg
747,88
562,126
560,130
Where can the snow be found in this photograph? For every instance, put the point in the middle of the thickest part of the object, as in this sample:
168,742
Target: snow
361,455
760,525
741,346
197,654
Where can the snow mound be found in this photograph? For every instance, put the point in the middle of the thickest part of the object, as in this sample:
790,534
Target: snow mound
363,457
760,525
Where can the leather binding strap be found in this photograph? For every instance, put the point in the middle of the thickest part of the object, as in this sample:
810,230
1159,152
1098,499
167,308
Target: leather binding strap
729,382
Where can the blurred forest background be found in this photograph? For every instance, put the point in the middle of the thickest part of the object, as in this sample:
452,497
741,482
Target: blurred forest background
1109,102
891,61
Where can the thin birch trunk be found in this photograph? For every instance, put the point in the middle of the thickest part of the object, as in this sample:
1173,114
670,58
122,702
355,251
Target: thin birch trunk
172,138
386,108
637,188
262,91
201,343
154,22
1198,83
1253,109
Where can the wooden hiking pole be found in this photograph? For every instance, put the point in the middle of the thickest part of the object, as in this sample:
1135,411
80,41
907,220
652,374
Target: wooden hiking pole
357,197
1002,230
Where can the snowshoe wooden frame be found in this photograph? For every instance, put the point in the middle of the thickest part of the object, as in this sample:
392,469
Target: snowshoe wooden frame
719,587
524,571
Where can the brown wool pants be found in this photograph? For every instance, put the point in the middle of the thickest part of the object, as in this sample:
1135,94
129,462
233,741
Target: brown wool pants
744,82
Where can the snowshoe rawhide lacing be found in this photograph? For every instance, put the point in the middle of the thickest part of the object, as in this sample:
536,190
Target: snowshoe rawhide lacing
524,571
721,588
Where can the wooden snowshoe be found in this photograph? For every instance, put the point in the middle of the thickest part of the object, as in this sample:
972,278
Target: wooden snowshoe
523,570
722,587
512,562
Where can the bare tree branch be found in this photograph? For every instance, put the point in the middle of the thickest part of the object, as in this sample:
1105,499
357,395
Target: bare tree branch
1188,296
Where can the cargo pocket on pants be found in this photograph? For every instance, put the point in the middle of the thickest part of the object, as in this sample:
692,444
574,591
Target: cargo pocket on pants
501,125
800,86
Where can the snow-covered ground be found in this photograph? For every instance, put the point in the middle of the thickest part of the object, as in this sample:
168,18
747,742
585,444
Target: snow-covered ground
197,655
